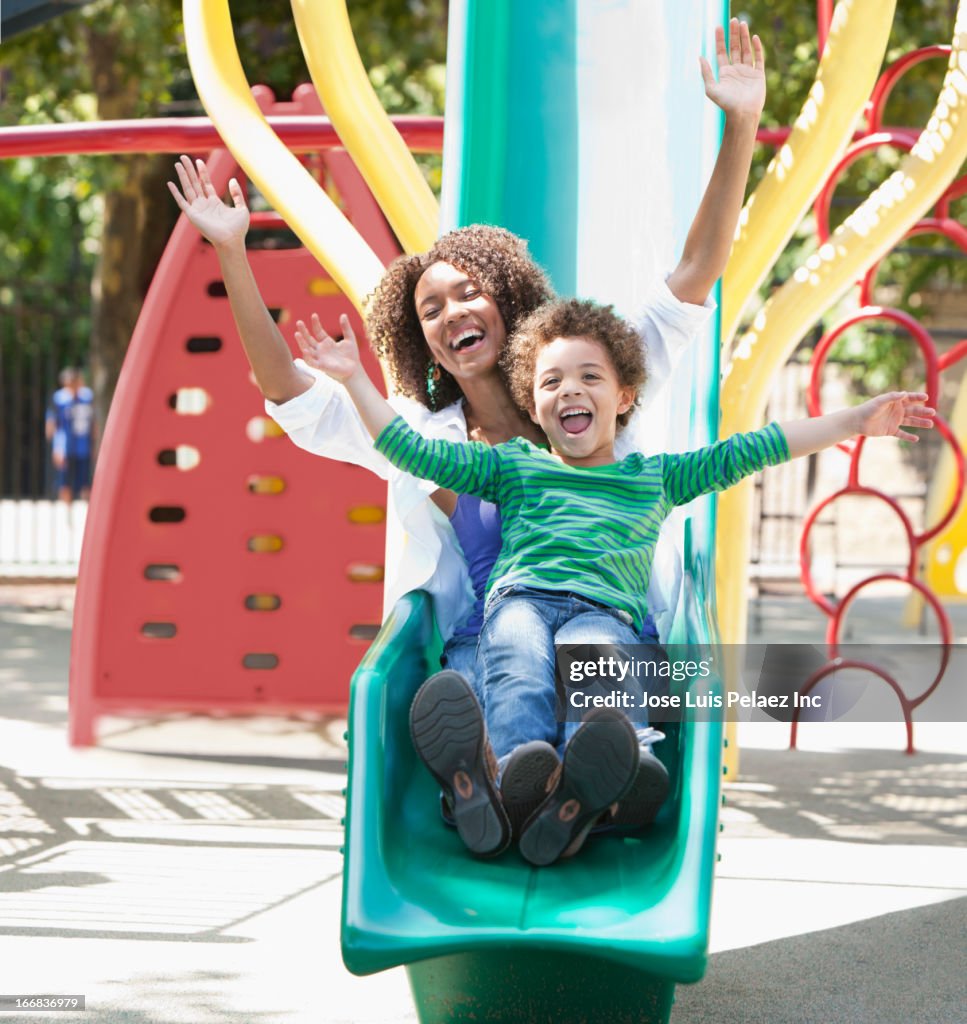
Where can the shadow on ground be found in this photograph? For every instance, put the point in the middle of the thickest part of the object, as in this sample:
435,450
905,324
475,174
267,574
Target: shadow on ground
880,971
860,796
198,997
34,653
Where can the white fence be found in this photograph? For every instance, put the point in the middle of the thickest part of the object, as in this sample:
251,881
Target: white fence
41,538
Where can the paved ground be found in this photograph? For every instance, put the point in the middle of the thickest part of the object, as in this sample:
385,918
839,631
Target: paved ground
187,870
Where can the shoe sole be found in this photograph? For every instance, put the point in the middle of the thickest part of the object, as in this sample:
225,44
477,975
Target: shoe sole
640,805
523,784
448,733
598,768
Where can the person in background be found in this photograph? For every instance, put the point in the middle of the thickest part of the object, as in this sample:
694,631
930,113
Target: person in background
70,430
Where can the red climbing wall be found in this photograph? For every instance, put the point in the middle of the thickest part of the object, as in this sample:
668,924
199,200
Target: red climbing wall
224,569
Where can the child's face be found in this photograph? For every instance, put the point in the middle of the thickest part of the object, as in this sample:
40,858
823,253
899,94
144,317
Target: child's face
577,400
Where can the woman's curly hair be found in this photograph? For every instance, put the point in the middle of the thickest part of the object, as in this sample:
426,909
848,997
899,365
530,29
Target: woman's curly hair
574,318
496,258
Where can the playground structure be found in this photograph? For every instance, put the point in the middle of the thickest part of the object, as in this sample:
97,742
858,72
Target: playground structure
214,564
632,916
897,210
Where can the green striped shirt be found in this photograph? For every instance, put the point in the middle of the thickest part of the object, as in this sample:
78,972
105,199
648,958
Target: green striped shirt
590,530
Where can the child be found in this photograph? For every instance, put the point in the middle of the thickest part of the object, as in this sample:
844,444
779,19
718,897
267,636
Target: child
578,536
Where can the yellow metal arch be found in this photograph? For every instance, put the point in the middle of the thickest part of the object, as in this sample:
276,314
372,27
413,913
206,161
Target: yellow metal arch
944,569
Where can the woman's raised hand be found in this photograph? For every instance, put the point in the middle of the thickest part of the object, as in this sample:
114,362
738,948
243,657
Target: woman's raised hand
741,86
197,199
887,415
336,358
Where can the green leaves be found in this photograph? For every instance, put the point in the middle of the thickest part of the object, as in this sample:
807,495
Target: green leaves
116,59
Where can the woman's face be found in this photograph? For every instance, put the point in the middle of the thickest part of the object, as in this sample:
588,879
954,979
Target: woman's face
463,327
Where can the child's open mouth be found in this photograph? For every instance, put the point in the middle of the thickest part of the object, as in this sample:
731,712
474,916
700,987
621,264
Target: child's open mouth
575,421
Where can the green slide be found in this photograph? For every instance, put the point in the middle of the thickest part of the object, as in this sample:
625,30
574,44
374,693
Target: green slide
582,126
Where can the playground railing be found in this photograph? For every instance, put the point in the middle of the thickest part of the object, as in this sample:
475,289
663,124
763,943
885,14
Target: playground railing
41,539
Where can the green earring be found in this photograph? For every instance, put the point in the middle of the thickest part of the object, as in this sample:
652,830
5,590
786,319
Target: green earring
432,380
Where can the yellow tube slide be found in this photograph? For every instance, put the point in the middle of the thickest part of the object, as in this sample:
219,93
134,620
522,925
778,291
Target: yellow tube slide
376,147
287,185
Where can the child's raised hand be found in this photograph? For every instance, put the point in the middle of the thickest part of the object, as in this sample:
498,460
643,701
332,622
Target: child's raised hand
337,358
741,85
887,415
201,204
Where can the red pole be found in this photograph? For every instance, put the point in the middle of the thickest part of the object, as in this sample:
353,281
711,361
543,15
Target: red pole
824,15
191,135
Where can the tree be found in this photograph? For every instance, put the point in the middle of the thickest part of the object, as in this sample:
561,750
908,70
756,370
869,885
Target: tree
95,64
882,358
89,231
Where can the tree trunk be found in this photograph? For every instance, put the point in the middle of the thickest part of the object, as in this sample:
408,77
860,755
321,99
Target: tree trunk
138,217
137,222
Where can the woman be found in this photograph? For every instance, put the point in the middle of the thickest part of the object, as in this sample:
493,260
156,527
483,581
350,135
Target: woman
440,320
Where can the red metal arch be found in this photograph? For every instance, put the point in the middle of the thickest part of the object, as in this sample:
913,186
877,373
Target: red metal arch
805,562
888,80
943,621
950,229
894,137
838,665
916,330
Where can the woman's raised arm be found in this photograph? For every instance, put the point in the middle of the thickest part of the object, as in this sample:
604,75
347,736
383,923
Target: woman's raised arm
741,92
225,227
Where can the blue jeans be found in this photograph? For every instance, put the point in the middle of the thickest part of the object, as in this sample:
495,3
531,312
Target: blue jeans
516,658
460,655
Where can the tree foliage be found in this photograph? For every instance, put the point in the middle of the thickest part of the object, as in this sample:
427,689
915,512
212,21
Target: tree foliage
91,229
90,244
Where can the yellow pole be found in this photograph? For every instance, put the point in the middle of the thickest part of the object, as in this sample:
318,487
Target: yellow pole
288,186
847,73
942,571
375,145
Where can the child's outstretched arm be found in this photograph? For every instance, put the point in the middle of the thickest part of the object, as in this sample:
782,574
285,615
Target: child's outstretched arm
340,360
883,416
470,468
741,92
725,463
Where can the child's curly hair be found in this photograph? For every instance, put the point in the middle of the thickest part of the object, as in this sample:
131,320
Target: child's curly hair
496,258
574,318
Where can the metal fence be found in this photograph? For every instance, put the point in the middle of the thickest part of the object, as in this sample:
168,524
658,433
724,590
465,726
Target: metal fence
34,348
41,538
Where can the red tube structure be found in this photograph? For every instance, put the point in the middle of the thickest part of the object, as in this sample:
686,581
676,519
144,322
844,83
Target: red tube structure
302,134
